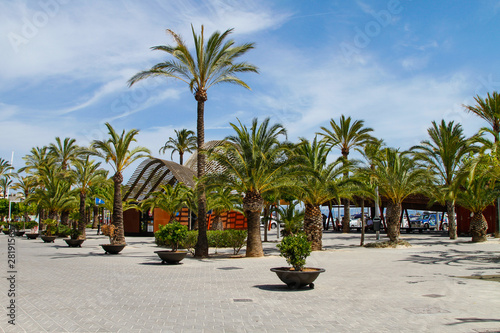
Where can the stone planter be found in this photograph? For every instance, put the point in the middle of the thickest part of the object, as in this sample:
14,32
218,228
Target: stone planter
298,279
112,248
19,233
32,236
49,239
170,257
6,231
74,242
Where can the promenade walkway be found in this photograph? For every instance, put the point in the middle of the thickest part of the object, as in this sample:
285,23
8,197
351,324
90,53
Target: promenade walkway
422,288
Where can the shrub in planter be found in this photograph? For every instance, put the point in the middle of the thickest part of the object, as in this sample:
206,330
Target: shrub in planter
173,234
50,227
31,224
295,249
110,231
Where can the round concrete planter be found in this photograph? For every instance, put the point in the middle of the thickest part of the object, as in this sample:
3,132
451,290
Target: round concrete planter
32,236
49,239
19,233
74,242
113,248
6,231
298,279
169,257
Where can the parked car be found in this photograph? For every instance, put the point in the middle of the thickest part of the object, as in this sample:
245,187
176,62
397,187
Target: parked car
430,221
273,222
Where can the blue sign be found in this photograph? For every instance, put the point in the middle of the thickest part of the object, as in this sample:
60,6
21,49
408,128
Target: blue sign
99,201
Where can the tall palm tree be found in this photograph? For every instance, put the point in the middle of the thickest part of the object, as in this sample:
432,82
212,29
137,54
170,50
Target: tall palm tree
117,151
5,167
86,173
397,176
317,186
253,162
346,135
444,155
184,142
27,185
489,110
5,184
222,199
64,152
214,62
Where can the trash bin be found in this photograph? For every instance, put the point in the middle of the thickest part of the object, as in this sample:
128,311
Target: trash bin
376,224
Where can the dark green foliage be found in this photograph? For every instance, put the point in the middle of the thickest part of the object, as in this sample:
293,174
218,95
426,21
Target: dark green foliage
216,238
295,249
63,230
50,227
30,224
173,234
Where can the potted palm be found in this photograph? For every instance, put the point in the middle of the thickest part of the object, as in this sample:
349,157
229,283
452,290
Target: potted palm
74,235
50,229
31,225
295,248
113,247
172,234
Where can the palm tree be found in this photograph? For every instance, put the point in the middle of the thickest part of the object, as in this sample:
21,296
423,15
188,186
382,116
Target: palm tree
5,183
64,152
345,135
5,167
221,199
479,191
253,162
444,155
117,151
489,110
86,174
170,199
214,62
27,185
292,217
185,142
317,186
397,176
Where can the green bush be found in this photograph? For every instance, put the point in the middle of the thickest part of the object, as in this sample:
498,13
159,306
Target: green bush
190,241
173,233
50,227
63,230
31,224
17,225
292,227
295,249
237,239
216,238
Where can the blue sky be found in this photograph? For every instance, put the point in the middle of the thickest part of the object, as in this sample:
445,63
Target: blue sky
396,64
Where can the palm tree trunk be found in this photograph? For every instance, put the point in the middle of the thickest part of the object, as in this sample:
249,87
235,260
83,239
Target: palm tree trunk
313,226
65,217
181,158
95,211
201,249
362,241
346,228
266,221
392,221
478,227
217,223
81,220
452,225
118,209
252,206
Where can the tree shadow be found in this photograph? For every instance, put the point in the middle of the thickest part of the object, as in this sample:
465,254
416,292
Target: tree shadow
474,320
457,257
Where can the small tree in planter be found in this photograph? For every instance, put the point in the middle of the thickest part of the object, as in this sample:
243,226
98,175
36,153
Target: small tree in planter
50,229
114,246
295,248
173,234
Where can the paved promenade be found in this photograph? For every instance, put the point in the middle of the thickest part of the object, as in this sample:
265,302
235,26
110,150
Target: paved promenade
417,289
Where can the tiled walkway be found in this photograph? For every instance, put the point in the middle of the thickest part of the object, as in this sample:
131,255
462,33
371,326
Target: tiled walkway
416,289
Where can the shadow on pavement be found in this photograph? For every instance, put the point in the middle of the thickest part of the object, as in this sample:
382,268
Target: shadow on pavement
279,287
475,320
456,257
